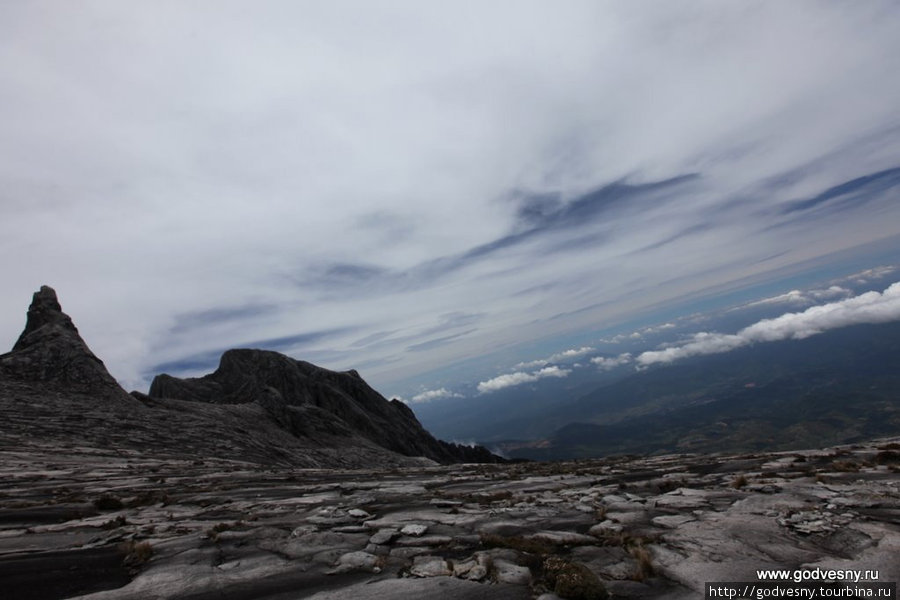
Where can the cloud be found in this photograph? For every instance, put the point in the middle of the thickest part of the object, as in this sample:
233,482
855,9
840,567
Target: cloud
800,297
557,357
519,377
434,343
430,395
608,363
849,194
870,307
867,275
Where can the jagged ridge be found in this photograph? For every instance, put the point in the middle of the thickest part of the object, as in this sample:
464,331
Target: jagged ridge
307,400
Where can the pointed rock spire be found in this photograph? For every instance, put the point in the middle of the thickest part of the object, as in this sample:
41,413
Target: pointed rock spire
44,312
51,350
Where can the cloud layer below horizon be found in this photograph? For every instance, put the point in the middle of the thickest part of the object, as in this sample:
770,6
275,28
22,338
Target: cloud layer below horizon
867,308
401,186
870,307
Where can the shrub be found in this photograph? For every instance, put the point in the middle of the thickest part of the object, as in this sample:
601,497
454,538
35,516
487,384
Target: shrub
644,568
136,553
887,457
739,481
845,466
108,502
519,543
573,580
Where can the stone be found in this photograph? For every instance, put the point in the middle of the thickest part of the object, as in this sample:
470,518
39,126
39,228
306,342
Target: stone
430,566
606,527
563,538
414,530
384,536
355,561
672,521
509,572
427,540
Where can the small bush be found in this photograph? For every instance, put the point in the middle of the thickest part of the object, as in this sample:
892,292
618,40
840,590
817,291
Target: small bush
148,497
136,553
845,466
490,540
119,521
108,502
886,457
644,568
739,482
214,531
573,580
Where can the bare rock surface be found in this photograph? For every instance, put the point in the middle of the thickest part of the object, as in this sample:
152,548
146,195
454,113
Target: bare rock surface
99,524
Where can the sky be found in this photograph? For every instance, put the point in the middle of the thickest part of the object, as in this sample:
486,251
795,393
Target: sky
434,192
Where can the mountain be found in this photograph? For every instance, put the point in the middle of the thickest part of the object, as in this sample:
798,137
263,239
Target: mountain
307,400
258,406
50,351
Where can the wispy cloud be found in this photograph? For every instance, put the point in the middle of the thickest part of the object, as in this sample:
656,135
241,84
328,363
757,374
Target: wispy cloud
868,275
206,177
557,357
520,377
870,307
800,297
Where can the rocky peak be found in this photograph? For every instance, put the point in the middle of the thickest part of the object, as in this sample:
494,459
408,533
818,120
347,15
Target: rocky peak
51,350
311,402
44,314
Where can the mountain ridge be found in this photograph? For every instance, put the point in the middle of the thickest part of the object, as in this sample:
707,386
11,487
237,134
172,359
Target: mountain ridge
259,405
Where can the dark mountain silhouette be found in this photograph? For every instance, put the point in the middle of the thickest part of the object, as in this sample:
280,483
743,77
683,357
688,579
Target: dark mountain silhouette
305,400
51,351
258,405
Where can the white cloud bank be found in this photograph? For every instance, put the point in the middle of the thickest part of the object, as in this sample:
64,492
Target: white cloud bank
870,307
520,377
559,356
430,395
611,363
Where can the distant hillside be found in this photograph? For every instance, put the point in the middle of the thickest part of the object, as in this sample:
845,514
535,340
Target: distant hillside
836,387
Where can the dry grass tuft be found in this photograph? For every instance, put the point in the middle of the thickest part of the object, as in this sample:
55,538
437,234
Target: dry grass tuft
136,553
644,568
739,481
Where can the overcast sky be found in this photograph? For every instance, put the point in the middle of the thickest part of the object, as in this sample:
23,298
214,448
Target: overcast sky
397,186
